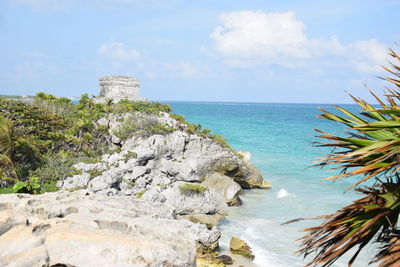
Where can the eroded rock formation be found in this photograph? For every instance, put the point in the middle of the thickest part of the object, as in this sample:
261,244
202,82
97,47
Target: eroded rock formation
77,229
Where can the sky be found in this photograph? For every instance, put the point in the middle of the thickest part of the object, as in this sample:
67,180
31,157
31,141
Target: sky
288,51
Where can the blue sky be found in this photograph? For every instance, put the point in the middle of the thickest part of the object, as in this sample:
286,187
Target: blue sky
210,50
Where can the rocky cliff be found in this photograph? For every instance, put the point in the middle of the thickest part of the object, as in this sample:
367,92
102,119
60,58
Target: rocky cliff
154,200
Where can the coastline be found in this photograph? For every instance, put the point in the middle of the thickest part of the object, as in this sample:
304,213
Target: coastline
152,156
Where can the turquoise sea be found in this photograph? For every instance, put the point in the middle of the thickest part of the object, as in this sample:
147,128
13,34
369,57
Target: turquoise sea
279,137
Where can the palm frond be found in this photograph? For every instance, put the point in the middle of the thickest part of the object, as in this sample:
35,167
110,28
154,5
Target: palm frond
389,253
370,150
354,225
373,146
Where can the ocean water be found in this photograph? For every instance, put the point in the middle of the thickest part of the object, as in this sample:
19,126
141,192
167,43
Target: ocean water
279,137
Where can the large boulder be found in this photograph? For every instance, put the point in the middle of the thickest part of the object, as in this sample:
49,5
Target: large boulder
76,229
226,186
192,201
252,178
238,246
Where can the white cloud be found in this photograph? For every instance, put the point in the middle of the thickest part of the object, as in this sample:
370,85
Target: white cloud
124,58
185,69
248,37
118,53
367,56
249,34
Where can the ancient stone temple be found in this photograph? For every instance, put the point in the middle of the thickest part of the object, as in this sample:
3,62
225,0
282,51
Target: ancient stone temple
118,88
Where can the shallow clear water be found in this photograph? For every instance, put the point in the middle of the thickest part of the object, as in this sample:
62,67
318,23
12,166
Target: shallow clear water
279,136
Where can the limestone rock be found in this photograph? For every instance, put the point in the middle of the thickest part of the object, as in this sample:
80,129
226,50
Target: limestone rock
225,185
210,220
266,185
77,181
206,240
238,246
209,261
207,202
152,168
212,260
225,259
254,178
76,229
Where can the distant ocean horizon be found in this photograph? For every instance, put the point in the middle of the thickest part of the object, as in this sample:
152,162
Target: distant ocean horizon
279,137
249,102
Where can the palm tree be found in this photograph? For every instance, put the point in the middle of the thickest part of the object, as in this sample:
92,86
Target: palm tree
370,151
6,147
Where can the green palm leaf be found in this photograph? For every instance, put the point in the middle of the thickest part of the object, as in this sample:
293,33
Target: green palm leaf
370,150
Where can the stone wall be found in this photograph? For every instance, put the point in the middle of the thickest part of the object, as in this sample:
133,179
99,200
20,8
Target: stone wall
119,87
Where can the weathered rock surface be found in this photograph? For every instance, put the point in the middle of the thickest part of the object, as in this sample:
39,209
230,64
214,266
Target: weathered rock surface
209,220
117,88
225,186
238,246
154,167
208,202
212,260
225,259
76,229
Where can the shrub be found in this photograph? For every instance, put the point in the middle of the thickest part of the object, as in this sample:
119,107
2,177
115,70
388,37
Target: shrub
143,127
125,106
55,167
197,129
32,186
179,118
219,139
193,128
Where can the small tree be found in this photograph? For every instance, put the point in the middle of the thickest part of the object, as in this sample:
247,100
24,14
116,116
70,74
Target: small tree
7,172
371,150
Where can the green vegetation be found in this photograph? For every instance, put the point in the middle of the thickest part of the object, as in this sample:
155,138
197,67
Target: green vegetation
125,106
179,118
44,138
7,169
197,129
41,140
219,139
39,129
143,127
94,173
370,151
140,194
192,188
129,155
32,186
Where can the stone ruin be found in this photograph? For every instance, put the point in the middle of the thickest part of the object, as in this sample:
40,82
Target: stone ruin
118,88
